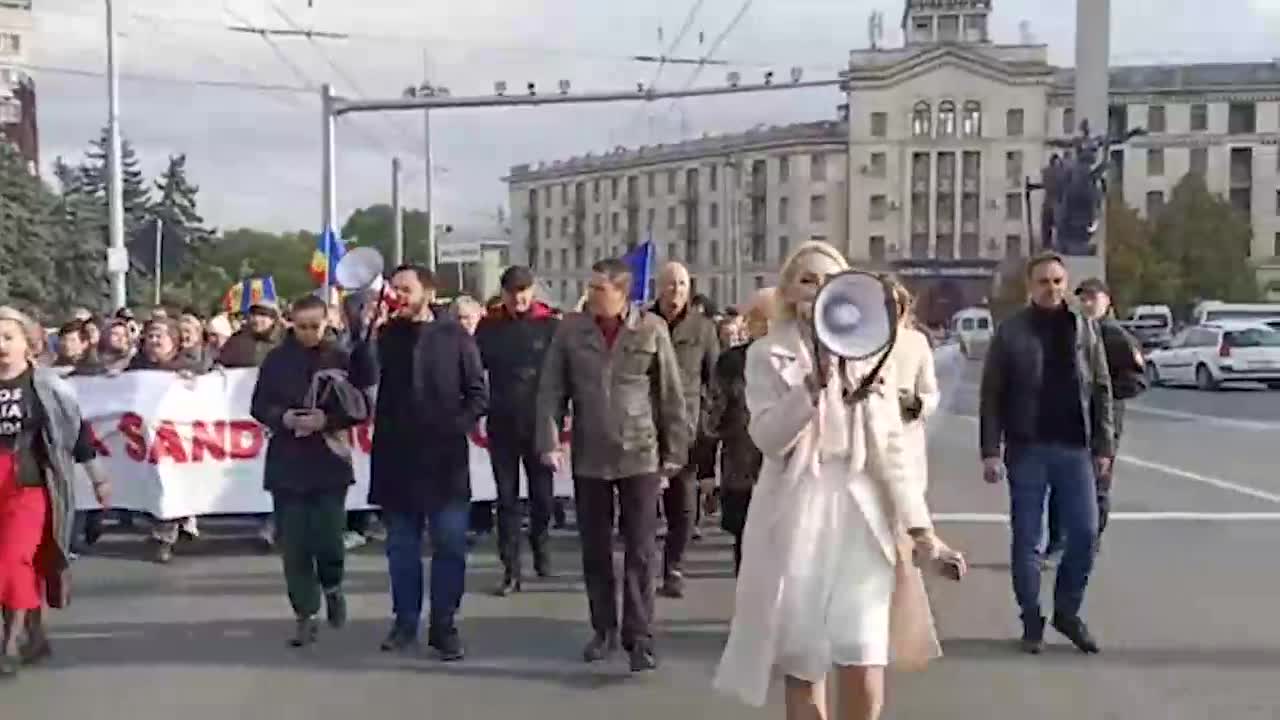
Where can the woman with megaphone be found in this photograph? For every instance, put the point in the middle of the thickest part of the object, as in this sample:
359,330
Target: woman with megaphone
828,581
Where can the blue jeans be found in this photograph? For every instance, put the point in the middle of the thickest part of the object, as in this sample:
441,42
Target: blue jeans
448,529
1034,470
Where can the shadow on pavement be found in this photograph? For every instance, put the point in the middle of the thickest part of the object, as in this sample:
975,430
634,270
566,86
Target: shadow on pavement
1058,651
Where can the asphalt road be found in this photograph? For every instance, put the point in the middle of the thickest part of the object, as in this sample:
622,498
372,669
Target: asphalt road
1183,601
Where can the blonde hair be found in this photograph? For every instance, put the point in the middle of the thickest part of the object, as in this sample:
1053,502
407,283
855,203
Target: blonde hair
902,297
467,305
30,329
787,275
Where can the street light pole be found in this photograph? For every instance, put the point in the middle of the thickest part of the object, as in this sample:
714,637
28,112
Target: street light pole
397,215
159,252
1092,99
117,255
431,213
328,172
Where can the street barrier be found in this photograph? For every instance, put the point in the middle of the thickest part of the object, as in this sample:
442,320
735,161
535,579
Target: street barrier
177,447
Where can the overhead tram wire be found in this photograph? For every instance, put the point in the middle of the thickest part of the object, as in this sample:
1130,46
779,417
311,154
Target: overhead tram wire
172,80
715,46
675,44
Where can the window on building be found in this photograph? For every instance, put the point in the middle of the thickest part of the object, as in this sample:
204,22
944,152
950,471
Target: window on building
876,248
1155,162
922,120
546,259
1013,246
1156,122
818,209
671,217
1013,168
564,291
595,190
613,188
564,227
1200,161
1242,118
613,222
546,197
970,247
715,253
564,258
879,124
949,28
1013,206
919,245
1014,120
564,194
651,183
818,167
671,251
1199,117
879,165
972,122
784,169
650,218
547,230
10,44
1155,202
715,289
1278,202
818,238
1275,246
1069,121
946,118
579,256
596,254
944,247
713,215
1242,200
784,247
713,178
878,208
759,282
597,226
784,210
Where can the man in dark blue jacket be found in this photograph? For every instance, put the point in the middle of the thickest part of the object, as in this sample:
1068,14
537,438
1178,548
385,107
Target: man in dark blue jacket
431,393
308,466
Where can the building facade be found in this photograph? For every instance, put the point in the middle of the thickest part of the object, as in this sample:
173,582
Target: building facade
930,161
17,90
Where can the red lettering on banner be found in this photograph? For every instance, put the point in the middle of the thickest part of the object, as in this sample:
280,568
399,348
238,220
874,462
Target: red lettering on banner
167,445
212,441
245,440
135,445
99,447
364,437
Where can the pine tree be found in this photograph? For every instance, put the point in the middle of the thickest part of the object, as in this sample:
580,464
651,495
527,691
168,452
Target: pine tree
93,181
176,208
80,232
1208,241
26,238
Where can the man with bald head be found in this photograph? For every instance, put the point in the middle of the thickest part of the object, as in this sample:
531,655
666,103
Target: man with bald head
697,344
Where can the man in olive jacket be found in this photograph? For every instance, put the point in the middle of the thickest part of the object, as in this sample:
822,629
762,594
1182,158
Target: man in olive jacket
1046,403
617,368
696,344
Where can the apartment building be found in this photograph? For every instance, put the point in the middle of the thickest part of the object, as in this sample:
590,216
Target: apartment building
17,91
928,163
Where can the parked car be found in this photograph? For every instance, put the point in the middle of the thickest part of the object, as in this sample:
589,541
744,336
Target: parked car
974,326
1210,355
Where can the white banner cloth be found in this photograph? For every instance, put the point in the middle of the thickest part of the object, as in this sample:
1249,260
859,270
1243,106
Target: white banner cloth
177,447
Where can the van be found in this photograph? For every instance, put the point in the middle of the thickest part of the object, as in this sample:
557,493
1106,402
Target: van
1216,311
974,327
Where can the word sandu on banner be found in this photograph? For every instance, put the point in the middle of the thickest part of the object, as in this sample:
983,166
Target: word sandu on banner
177,447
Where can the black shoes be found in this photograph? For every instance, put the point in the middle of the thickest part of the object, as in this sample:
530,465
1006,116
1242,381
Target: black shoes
542,565
672,585
642,658
1032,641
399,640
305,633
510,584
447,643
601,647
1074,629
335,605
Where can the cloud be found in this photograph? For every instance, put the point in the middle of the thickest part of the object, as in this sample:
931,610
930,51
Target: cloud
256,155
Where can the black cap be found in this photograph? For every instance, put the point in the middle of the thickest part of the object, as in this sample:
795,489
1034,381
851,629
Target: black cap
1092,286
516,278
124,313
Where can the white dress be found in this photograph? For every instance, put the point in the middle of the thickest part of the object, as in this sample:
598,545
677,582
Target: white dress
835,607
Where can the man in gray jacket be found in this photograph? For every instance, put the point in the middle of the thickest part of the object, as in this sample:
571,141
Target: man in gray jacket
1045,402
616,366
696,344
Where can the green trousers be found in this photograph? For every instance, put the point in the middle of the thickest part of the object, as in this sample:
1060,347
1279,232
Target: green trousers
310,530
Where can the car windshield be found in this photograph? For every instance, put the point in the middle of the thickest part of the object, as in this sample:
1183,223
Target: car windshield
984,324
1163,320
966,324
1252,338
1220,315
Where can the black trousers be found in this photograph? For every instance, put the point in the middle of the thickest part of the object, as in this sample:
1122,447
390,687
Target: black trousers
680,506
638,505
508,450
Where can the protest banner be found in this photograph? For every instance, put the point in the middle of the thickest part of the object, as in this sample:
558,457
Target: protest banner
177,447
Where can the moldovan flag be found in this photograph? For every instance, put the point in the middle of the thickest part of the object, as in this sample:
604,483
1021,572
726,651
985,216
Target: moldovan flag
329,250
247,293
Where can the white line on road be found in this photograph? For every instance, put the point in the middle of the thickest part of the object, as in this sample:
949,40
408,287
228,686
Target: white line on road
1002,519
1179,472
1235,423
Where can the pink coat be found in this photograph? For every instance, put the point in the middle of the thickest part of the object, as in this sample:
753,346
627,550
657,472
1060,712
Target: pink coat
785,425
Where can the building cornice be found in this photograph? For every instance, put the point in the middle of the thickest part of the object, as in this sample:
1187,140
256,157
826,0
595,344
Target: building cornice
927,60
1204,139
1059,97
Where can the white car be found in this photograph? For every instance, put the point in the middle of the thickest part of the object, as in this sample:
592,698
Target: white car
974,327
1209,355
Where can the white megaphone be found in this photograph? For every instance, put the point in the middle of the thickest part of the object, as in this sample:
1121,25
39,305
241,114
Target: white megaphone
360,273
855,317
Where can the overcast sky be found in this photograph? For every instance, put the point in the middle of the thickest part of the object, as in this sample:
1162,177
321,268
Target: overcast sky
256,154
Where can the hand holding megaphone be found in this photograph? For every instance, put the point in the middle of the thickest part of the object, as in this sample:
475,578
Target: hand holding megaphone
855,318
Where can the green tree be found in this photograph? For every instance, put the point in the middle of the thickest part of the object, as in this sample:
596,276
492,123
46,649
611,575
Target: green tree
1208,242
26,235
1136,270
374,226
80,247
246,252
137,203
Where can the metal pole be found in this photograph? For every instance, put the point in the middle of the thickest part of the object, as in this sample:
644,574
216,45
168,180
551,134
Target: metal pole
159,250
397,215
431,212
735,194
328,175
117,256
1092,98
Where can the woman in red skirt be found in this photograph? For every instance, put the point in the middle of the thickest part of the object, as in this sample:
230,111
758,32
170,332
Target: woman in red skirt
41,441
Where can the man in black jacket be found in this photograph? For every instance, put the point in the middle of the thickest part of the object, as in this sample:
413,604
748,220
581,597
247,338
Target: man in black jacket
308,465
431,393
513,339
1045,401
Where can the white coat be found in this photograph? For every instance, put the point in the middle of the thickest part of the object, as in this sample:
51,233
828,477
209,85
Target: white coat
912,364
786,426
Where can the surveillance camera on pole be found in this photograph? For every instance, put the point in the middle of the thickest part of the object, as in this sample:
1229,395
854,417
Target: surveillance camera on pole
500,88
768,78
533,89
797,73
734,79
564,87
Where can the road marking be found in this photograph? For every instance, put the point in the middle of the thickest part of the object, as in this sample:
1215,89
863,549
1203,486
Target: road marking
1236,423
1178,472
56,635
1003,519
